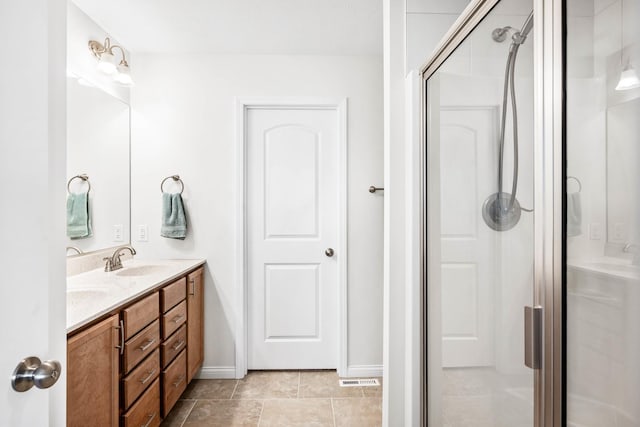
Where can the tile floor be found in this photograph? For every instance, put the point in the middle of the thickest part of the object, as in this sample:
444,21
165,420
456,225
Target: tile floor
277,398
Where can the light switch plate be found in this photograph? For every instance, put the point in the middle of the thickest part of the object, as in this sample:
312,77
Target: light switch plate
595,231
143,233
118,233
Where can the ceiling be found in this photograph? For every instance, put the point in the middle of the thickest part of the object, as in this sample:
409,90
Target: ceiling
336,27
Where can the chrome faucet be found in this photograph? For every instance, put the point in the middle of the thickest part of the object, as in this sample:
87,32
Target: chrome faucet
73,248
632,248
114,262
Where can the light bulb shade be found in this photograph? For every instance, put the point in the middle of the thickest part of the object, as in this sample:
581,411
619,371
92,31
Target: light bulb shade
628,79
107,63
123,76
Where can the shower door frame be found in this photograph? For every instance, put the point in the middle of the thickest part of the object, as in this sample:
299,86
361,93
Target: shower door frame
549,182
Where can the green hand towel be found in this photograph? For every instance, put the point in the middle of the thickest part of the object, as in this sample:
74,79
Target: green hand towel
78,217
174,221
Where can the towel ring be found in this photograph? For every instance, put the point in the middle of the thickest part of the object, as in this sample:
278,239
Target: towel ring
175,178
83,177
577,180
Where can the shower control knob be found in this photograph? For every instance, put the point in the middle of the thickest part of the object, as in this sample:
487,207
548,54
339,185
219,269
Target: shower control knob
329,252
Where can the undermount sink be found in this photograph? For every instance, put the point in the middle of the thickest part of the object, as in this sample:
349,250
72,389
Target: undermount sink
142,270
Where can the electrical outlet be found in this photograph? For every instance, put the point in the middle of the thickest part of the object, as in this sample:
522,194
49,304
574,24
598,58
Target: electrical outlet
618,231
143,233
118,233
595,231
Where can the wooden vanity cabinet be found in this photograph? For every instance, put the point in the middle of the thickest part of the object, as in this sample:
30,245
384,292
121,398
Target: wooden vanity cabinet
162,349
174,343
195,322
92,375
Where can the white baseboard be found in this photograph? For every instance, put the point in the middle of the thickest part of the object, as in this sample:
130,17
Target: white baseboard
364,371
216,373
229,372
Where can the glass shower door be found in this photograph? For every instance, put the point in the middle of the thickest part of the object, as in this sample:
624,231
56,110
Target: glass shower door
480,224
603,214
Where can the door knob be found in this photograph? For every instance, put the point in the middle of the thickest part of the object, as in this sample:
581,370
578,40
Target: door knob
329,252
33,372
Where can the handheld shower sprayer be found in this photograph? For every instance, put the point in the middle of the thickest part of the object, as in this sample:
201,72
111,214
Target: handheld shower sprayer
501,211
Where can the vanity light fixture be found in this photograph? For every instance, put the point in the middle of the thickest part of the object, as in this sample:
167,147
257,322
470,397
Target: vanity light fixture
628,77
107,61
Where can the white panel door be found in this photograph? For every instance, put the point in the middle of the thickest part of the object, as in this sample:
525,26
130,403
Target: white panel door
32,172
468,149
292,219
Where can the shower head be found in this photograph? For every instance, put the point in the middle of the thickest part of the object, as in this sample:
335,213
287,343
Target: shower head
500,34
521,35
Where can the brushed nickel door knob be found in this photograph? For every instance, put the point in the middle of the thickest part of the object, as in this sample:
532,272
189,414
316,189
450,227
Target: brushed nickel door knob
329,252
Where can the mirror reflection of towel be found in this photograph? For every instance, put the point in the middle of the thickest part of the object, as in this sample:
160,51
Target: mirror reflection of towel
78,216
574,215
174,221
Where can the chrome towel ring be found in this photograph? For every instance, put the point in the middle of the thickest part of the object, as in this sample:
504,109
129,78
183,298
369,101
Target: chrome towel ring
175,178
577,180
82,177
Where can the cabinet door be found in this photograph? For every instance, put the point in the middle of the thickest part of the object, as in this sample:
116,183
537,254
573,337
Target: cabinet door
92,376
195,322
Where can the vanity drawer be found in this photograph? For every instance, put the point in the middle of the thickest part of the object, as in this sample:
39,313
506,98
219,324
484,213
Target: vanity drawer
146,411
174,345
140,315
172,294
173,319
141,345
174,382
140,378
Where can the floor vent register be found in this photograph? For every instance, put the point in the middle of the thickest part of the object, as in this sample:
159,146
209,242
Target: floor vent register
359,382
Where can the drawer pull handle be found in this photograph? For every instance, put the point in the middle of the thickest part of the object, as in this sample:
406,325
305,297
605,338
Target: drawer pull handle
146,346
151,374
192,282
178,318
151,417
177,345
121,346
177,383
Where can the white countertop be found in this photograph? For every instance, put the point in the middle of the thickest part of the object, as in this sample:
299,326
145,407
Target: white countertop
607,266
95,293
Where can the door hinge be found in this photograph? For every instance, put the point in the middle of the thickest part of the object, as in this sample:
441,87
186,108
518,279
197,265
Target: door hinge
533,337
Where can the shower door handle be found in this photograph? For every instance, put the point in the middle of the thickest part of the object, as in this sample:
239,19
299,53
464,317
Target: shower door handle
533,337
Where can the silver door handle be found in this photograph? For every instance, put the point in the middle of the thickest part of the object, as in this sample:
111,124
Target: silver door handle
33,372
533,337
329,252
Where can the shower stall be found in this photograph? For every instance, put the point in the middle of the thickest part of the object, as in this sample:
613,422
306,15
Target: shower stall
531,216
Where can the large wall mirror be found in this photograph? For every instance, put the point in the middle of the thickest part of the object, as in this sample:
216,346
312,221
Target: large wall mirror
623,172
97,169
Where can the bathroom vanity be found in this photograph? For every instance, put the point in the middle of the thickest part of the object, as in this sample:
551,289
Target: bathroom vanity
135,340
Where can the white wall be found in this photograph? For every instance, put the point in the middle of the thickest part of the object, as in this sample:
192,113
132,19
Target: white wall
183,122
395,167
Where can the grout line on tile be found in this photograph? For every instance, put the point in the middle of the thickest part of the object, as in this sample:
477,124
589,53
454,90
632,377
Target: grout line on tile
193,405
234,389
261,411
333,413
